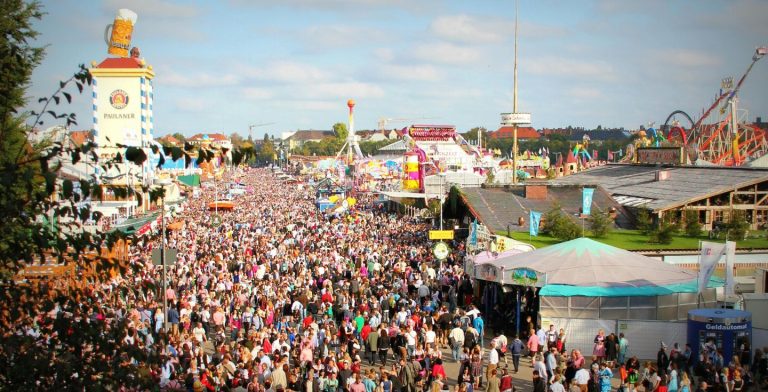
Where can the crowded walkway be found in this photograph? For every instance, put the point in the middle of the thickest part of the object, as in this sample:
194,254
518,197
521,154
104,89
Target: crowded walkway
279,297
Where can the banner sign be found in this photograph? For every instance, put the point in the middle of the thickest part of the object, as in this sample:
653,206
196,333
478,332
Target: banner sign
663,155
586,200
441,234
534,221
432,132
711,252
523,277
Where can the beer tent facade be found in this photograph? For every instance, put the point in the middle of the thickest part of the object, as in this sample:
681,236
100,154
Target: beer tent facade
586,279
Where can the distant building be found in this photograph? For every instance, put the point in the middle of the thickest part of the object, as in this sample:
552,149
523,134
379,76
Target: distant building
555,131
217,140
169,140
300,137
712,192
523,133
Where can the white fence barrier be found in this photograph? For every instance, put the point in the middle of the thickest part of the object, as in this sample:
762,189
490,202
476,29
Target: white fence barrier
759,338
644,336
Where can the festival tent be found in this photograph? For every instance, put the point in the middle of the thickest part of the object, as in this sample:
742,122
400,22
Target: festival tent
587,279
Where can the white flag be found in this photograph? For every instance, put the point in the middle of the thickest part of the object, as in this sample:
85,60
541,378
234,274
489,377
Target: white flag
730,254
711,252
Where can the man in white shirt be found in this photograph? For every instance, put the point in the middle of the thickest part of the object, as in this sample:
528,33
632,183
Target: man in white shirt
493,361
582,379
457,338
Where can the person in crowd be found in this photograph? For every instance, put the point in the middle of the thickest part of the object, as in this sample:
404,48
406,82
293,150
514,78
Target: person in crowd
274,295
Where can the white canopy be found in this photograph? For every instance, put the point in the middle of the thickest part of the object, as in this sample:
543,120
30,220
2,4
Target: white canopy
587,263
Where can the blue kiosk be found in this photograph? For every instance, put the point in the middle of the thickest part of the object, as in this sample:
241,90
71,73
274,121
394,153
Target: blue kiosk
728,330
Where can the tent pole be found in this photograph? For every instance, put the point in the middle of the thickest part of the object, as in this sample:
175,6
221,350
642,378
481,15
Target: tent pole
698,293
517,313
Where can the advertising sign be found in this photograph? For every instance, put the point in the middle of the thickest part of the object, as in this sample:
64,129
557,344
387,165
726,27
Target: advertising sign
441,234
508,119
663,155
118,113
522,277
432,132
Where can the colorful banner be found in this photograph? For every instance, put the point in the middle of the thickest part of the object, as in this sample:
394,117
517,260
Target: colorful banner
586,200
711,252
535,220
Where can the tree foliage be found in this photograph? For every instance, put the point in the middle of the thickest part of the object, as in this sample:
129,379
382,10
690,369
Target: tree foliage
665,230
643,221
737,225
692,225
340,131
600,223
560,226
77,352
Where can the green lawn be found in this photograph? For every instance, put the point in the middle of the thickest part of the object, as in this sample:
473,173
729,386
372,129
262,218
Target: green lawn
635,240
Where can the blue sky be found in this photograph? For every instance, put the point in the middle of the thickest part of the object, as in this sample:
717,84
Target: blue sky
223,65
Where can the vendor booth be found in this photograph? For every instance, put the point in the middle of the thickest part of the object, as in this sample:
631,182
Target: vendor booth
725,330
586,279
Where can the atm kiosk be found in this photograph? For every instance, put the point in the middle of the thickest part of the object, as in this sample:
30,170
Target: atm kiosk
728,330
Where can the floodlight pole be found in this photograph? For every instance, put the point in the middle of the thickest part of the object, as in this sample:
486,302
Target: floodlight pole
162,262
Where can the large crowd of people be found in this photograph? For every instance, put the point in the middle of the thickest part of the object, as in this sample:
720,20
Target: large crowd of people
278,297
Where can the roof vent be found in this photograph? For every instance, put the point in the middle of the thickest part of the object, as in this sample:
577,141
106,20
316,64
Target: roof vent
662,175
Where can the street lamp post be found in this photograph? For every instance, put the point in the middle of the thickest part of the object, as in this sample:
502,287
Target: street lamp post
442,195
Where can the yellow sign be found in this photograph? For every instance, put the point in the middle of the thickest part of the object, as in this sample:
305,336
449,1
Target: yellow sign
441,234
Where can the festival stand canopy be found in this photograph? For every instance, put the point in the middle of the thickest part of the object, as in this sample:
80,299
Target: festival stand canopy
584,267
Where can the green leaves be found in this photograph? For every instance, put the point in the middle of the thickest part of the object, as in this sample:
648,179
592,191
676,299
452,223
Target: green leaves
67,188
135,155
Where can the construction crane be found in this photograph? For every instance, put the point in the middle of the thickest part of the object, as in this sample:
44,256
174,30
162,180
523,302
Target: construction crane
250,128
384,121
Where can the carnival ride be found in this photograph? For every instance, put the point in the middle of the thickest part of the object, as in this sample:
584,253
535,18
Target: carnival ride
721,135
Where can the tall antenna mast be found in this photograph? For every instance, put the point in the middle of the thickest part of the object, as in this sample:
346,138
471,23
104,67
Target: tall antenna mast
514,119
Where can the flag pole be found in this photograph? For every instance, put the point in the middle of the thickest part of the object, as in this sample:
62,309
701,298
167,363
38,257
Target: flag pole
698,276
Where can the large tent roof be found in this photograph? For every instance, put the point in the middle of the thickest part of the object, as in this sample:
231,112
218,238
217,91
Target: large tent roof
588,263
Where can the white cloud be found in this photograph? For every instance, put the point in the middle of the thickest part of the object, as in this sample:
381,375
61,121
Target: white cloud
257,93
584,93
154,8
338,36
535,30
343,5
161,19
446,53
567,67
465,28
384,54
687,58
286,72
309,104
459,93
341,90
195,80
191,104
410,72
